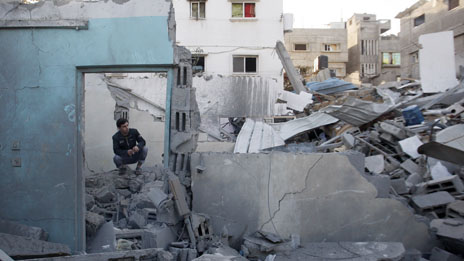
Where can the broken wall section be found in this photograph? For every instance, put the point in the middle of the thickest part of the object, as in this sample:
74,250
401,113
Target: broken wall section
185,118
234,96
322,197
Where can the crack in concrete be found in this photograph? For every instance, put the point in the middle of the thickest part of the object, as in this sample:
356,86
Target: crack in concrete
286,194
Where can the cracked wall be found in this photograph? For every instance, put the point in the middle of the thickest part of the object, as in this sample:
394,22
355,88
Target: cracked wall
144,97
322,197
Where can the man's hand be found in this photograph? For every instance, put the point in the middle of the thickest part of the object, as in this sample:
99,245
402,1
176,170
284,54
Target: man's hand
135,149
130,152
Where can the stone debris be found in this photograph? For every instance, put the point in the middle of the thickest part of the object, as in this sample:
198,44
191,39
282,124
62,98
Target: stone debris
19,247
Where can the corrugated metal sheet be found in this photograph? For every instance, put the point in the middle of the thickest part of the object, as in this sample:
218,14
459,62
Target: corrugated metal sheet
313,121
330,86
256,136
358,112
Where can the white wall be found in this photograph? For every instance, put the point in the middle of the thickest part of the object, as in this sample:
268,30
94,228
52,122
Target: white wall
220,37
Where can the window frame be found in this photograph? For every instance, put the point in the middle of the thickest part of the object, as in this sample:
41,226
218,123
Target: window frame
301,44
243,10
325,45
245,56
198,11
195,56
416,24
391,58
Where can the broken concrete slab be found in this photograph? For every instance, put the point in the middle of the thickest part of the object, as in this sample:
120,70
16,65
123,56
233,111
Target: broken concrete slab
266,190
455,210
410,166
21,247
93,222
399,185
373,251
451,232
439,254
18,229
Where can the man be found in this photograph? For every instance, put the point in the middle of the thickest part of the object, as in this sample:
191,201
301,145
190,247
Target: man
129,147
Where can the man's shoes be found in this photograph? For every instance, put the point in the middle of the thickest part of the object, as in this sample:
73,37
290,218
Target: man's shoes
122,169
138,171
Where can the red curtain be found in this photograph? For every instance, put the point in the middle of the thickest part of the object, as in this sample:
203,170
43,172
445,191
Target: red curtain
250,10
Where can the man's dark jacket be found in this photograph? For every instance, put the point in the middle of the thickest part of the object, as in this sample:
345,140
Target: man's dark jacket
121,144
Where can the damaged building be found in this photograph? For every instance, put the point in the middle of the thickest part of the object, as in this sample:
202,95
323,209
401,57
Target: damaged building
371,173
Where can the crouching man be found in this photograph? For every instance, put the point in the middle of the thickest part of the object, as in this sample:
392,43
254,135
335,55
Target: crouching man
129,147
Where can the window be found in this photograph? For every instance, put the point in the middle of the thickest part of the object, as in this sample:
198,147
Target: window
246,10
366,18
453,4
198,63
414,57
331,47
300,47
197,9
419,20
369,47
368,69
391,59
245,64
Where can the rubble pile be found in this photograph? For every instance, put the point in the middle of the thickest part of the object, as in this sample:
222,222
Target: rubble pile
413,145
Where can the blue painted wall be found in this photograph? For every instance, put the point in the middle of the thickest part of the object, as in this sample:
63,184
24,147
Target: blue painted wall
39,95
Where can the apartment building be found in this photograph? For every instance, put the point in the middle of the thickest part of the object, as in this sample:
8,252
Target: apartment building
426,17
365,49
232,37
305,45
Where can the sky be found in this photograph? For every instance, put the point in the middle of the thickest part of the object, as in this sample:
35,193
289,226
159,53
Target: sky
318,14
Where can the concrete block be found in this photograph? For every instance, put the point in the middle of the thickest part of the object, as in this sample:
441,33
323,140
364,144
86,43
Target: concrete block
89,201
137,220
19,247
450,232
18,229
439,254
105,195
455,210
410,166
104,240
435,202
393,130
399,185
452,184
410,146
375,164
348,140
414,179
93,222
278,192
158,237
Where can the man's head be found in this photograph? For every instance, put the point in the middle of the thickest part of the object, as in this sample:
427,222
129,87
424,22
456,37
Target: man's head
123,126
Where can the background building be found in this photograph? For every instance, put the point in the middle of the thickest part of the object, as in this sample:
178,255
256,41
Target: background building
232,37
305,45
429,17
364,52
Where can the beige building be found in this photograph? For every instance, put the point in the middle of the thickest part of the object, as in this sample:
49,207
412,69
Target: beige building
429,17
366,50
305,45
